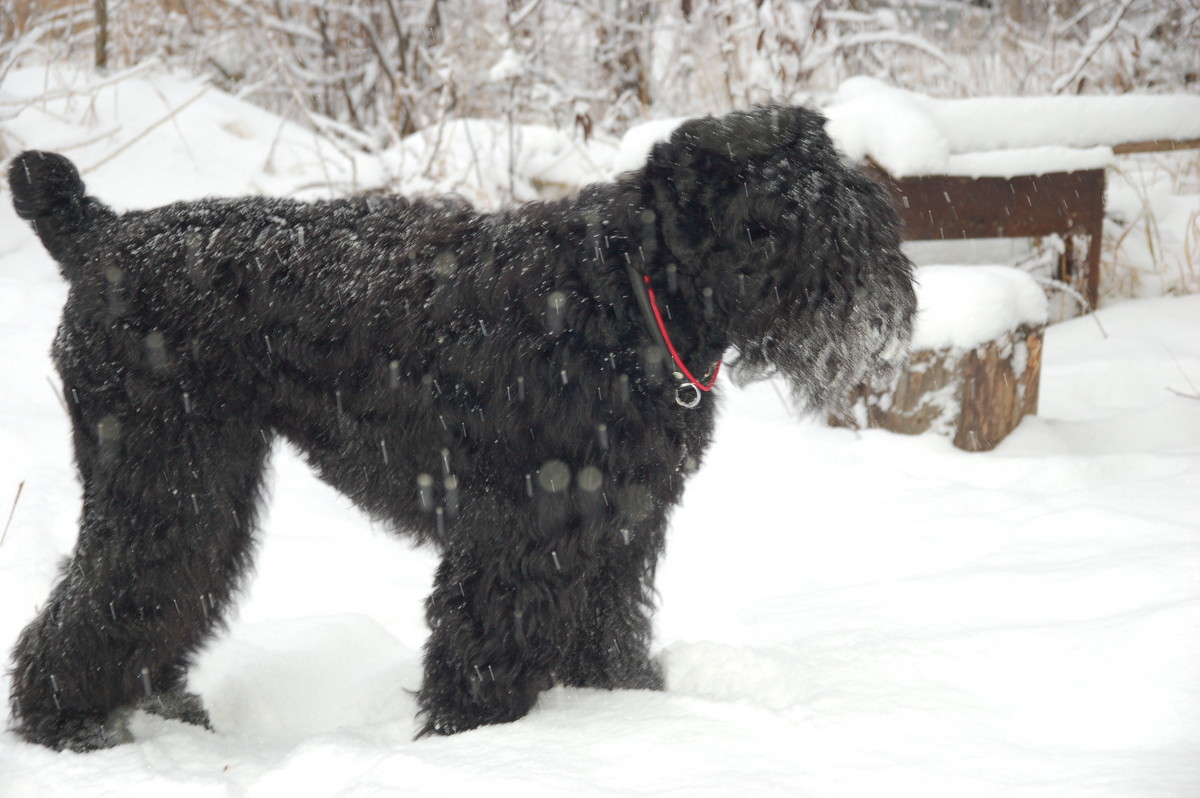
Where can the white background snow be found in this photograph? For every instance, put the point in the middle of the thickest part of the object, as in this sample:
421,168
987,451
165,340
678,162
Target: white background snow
841,613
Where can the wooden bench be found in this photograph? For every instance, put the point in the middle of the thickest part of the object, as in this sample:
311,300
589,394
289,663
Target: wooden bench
1069,204
996,167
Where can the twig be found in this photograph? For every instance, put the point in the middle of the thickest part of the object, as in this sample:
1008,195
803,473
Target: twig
466,128
112,79
7,523
520,15
174,112
1070,291
1195,394
58,395
788,407
182,138
54,24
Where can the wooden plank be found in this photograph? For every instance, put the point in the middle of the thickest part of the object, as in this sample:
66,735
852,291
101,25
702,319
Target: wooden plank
938,207
1070,204
1159,145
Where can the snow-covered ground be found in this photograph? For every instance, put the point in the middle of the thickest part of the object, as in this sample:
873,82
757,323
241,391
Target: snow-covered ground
841,614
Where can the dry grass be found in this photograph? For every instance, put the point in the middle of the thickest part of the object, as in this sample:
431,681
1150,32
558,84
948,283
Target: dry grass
1146,253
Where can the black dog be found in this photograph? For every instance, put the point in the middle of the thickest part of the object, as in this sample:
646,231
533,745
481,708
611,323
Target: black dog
525,390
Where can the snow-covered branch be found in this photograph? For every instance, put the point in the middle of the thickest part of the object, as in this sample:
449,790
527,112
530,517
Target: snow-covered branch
390,67
1094,44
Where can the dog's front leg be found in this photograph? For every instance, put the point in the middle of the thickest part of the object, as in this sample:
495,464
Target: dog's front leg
611,646
497,615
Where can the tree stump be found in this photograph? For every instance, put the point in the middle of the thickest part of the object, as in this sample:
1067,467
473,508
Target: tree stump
978,395
976,391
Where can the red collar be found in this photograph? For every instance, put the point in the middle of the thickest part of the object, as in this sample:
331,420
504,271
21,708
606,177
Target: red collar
658,330
662,328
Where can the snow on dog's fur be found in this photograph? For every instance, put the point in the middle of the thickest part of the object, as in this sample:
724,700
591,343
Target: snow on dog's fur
526,390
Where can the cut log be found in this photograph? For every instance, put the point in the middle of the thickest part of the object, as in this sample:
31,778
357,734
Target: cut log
976,362
976,395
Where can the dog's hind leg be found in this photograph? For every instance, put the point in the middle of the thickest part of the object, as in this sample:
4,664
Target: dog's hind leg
170,485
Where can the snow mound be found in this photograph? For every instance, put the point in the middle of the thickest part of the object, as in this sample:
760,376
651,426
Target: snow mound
640,139
145,138
489,161
872,120
964,306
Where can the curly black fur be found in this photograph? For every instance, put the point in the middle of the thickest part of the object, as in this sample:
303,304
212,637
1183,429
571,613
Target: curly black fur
483,382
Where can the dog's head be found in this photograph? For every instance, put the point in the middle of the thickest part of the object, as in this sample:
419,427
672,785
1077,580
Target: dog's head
800,247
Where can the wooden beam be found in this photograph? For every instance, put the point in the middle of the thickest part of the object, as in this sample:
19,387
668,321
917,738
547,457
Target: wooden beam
938,207
1070,204
1160,145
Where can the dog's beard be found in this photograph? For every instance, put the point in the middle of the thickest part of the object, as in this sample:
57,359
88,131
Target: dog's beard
824,353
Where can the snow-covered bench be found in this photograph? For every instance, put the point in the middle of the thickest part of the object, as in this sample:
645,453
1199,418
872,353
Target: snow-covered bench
1007,167
976,361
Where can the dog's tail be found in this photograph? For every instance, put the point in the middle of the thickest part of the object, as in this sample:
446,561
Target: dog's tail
50,195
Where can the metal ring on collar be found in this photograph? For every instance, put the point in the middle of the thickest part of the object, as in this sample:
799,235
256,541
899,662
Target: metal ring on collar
683,400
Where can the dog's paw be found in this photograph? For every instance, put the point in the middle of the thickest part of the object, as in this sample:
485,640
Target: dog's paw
442,728
180,706
644,675
443,722
79,733
177,705
648,677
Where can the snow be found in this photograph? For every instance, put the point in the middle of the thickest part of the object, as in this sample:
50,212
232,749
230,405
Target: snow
640,139
487,160
1028,161
841,613
964,306
509,66
908,133
886,126
913,134
185,138
189,140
